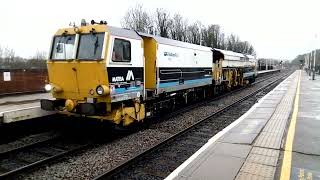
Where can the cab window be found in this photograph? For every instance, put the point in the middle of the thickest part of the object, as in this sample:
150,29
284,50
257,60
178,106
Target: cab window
90,46
121,50
63,47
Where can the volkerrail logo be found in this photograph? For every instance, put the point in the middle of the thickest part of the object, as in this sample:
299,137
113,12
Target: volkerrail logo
130,76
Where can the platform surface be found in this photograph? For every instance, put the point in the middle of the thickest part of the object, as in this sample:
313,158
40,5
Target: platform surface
22,107
12,99
253,146
268,71
304,153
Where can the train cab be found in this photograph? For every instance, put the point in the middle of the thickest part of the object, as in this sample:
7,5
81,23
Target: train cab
97,71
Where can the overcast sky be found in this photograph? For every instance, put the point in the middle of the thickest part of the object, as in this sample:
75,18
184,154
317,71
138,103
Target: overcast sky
276,28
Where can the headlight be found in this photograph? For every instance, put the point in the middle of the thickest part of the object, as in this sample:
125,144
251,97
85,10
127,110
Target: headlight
102,90
48,87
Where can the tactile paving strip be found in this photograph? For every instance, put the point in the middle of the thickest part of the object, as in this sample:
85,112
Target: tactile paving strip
272,133
262,159
265,152
269,140
247,176
260,164
258,169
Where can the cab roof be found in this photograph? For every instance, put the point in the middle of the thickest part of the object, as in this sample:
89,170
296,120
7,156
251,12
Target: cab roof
121,32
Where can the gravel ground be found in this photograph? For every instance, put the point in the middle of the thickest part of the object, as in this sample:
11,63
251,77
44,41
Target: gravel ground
185,120
101,158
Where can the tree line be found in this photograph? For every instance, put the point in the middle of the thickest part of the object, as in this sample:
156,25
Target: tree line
160,23
301,59
176,27
9,60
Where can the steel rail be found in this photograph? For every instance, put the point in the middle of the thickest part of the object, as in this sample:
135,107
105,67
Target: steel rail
46,159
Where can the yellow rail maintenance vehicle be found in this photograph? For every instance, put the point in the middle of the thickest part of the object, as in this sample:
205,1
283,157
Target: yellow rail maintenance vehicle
124,76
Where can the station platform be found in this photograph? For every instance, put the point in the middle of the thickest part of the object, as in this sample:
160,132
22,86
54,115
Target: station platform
268,71
22,107
278,138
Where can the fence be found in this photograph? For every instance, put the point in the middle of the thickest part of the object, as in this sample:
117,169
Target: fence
15,81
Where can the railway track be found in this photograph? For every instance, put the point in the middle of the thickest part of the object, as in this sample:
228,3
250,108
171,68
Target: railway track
51,146
160,160
30,156
27,141
35,155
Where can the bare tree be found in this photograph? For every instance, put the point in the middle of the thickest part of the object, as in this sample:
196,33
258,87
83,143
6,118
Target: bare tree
222,41
172,32
38,61
162,21
241,46
184,34
206,41
215,31
232,42
9,60
251,50
137,19
193,33
40,56
177,28
235,44
214,37
8,54
207,37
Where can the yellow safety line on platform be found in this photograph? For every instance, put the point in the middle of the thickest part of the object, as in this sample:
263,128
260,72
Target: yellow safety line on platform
286,163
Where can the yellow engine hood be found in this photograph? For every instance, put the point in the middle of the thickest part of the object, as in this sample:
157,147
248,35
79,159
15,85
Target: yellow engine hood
77,78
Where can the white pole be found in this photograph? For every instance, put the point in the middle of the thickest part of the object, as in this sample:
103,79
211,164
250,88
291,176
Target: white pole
305,61
200,38
309,60
314,58
266,64
314,65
